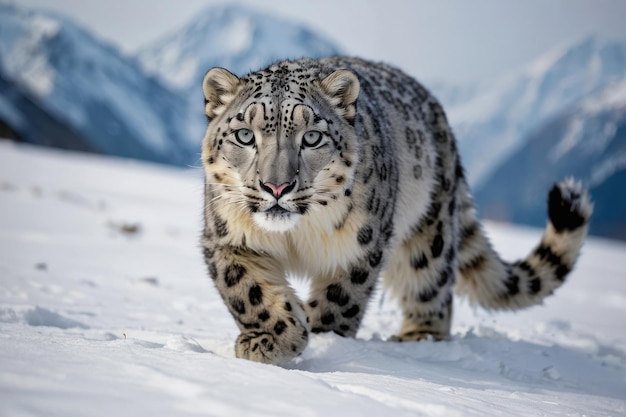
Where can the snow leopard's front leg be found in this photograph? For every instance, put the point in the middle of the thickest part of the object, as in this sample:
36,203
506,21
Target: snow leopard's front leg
270,316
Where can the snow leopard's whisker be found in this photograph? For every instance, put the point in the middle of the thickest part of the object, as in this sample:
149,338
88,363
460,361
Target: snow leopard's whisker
222,196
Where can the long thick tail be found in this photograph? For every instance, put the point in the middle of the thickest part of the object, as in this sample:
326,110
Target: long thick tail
495,284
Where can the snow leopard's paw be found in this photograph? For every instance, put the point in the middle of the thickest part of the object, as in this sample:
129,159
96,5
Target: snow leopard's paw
276,347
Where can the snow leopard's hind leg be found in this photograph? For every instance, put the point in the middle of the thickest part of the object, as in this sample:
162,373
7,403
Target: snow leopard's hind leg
422,271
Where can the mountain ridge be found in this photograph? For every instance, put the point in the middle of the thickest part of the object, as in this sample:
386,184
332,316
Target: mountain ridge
586,141
494,122
109,98
88,85
238,38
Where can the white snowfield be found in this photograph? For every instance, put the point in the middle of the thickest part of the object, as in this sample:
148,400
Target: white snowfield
106,309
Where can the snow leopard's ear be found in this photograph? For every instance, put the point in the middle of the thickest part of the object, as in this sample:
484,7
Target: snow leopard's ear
220,87
342,89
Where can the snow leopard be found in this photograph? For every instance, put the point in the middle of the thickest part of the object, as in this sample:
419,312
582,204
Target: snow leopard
346,171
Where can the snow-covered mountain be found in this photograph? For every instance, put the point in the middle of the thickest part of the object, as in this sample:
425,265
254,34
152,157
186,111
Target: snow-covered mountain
148,107
238,38
25,120
587,141
101,94
492,124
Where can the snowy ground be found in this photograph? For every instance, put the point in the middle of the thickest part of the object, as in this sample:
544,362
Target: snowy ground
106,309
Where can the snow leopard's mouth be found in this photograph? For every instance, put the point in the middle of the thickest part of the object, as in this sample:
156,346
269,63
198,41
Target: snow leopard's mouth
277,211
276,219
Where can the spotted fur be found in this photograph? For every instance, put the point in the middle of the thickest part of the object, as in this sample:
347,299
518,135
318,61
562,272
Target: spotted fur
344,171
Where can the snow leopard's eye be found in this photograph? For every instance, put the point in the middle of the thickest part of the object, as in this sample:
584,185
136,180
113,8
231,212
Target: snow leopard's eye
245,137
311,139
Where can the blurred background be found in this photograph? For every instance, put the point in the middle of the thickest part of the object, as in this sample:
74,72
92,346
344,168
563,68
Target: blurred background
534,90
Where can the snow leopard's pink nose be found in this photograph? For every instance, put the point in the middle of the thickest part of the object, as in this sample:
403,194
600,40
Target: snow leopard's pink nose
278,190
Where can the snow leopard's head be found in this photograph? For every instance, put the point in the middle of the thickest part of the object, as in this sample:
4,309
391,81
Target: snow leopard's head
280,142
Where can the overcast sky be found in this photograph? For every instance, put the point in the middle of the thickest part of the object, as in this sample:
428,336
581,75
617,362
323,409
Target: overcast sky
450,40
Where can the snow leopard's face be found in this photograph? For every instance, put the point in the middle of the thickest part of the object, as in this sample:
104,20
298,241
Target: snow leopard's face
280,142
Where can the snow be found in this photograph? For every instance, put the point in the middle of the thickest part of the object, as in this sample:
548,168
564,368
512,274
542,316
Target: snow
610,102
540,66
572,137
23,55
106,309
607,168
36,73
613,96
237,38
185,67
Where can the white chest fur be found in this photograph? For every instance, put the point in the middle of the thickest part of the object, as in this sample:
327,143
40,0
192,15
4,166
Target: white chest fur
314,247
